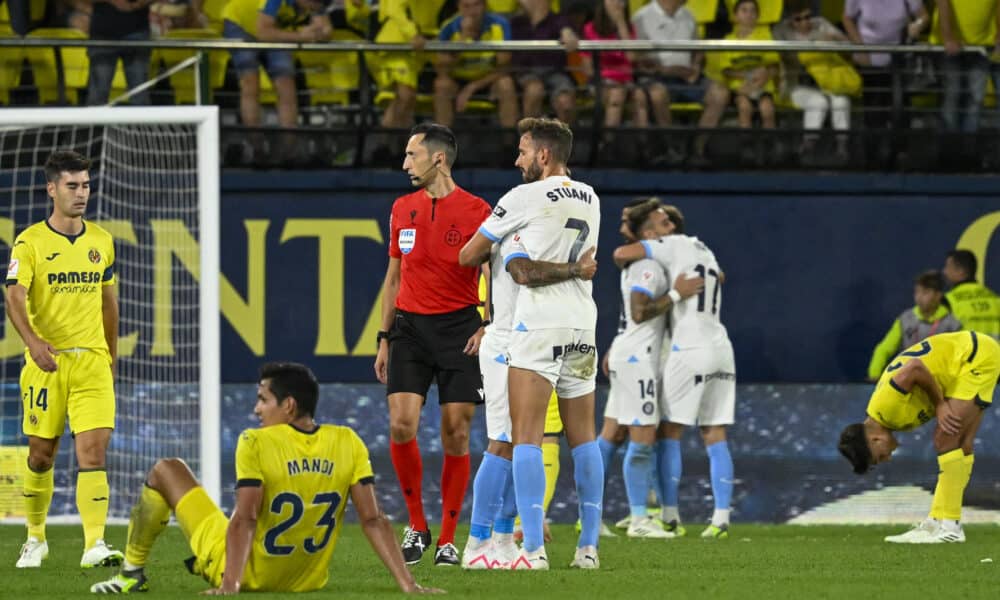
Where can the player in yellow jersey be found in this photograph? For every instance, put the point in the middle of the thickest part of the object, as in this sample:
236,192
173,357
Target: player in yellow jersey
61,299
293,478
950,376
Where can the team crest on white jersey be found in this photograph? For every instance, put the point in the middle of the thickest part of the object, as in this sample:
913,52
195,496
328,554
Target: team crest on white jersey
407,239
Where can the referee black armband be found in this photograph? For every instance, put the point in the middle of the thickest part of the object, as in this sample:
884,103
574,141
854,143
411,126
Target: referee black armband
486,322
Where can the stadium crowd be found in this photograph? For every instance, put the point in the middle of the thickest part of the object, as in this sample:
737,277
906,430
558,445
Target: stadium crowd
637,89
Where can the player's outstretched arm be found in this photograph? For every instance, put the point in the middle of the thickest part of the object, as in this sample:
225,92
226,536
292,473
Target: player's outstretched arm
17,309
536,273
629,253
239,539
643,307
378,530
476,251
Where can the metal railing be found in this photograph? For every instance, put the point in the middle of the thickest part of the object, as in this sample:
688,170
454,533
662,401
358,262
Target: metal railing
366,107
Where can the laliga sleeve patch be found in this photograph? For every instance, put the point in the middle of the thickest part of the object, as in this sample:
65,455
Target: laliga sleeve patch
12,268
407,239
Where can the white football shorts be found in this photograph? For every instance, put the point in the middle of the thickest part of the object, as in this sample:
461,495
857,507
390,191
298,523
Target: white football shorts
567,358
493,365
699,386
634,395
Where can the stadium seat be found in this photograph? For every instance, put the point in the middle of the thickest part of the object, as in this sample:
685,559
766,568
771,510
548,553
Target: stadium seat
76,65
509,7
425,103
183,81
213,10
10,65
331,76
704,12
770,10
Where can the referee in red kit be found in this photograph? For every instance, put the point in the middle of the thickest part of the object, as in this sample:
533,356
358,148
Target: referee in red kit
431,328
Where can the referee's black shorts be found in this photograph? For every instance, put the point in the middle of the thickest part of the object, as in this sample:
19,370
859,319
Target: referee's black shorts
425,347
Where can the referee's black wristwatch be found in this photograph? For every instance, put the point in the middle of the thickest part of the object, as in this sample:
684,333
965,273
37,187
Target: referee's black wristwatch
382,335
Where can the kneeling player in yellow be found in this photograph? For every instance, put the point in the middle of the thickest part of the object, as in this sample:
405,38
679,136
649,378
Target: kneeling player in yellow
951,376
292,481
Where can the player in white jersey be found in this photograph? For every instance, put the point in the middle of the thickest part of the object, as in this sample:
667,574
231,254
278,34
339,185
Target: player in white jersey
700,374
557,220
635,362
491,538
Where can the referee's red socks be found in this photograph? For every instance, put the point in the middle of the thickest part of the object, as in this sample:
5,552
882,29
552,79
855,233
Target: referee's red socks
410,472
454,481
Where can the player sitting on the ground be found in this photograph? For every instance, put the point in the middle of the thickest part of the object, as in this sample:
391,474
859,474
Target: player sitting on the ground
292,480
951,376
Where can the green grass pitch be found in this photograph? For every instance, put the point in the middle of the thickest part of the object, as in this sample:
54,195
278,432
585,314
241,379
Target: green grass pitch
758,561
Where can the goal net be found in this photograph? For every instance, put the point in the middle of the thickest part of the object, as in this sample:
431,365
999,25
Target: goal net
155,188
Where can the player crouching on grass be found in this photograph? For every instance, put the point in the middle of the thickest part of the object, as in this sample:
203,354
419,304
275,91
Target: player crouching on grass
951,376
292,477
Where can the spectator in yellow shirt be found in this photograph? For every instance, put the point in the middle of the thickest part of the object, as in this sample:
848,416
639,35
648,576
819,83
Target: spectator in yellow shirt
461,75
960,23
751,74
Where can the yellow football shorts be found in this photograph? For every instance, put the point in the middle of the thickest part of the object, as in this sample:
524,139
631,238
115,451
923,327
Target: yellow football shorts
81,388
977,378
390,68
204,525
553,422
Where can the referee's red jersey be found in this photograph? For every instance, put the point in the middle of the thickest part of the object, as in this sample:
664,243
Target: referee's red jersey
426,234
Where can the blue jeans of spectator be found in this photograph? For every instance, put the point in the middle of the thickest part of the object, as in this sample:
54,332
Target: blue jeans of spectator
103,62
964,82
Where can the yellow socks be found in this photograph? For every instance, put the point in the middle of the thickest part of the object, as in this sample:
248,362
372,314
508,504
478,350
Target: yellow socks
956,468
37,492
92,503
550,457
149,516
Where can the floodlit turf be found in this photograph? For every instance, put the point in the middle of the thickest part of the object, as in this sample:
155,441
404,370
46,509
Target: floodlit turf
758,561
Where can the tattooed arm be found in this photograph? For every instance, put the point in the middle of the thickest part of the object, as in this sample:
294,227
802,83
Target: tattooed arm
533,273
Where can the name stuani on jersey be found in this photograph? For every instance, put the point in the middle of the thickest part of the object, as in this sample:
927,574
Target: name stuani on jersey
569,192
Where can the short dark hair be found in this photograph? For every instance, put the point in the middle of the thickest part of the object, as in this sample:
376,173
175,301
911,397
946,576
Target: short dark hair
854,446
965,260
676,217
549,133
931,279
438,138
638,214
295,380
794,7
739,2
66,161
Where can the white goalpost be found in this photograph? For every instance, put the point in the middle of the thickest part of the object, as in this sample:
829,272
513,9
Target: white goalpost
155,187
